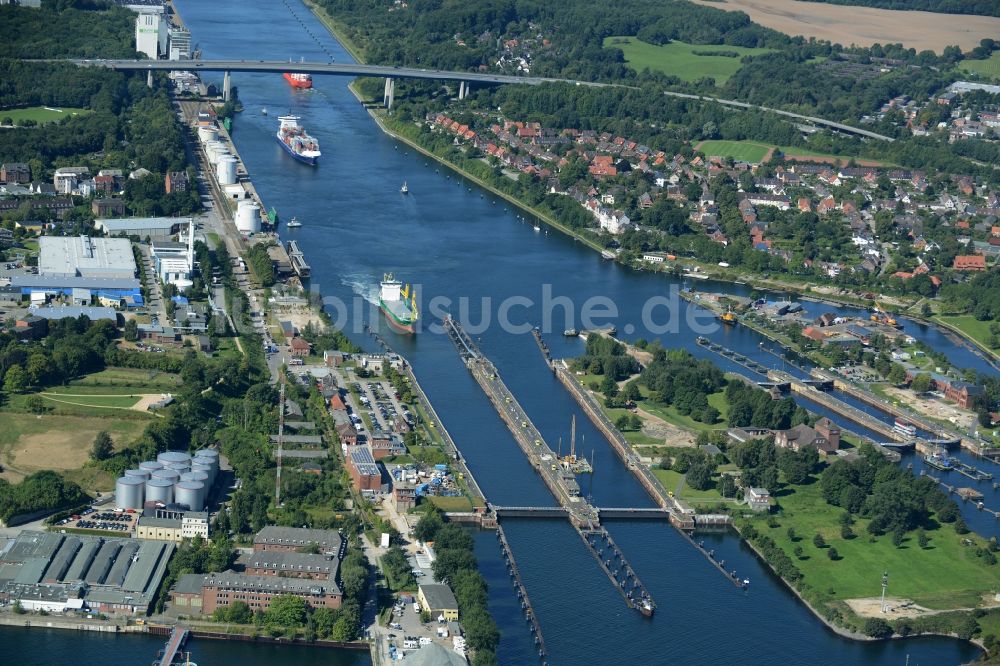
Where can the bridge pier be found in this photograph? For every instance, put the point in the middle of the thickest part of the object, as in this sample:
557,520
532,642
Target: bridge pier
149,78
226,86
390,92
463,89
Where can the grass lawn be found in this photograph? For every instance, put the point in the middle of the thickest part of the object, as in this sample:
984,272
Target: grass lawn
682,60
142,381
670,414
943,576
41,114
989,68
674,481
29,442
754,152
970,326
450,503
96,401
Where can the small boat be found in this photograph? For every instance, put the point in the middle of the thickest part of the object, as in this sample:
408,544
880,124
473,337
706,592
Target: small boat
537,228
263,112
293,223
404,189
571,332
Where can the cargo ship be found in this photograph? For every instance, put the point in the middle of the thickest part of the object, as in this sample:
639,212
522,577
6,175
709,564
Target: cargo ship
398,305
294,139
299,80
939,460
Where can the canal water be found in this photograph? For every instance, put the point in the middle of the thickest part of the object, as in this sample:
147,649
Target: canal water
454,240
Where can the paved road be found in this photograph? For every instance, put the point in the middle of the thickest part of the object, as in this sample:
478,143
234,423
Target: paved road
336,69
156,306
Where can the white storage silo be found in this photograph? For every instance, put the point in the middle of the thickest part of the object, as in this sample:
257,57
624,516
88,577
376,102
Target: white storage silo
190,493
151,465
207,134
170,475
202,478
248,217
138,473
173,456
226,170
181,466
160,490
129,492
214,150
207,468
208,454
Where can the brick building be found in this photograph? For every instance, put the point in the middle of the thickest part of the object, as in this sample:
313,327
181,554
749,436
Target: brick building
291,565
291,539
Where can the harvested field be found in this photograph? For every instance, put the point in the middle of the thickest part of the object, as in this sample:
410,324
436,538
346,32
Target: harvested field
865,26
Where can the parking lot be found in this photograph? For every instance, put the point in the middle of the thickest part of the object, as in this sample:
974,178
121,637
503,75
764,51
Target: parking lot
109,521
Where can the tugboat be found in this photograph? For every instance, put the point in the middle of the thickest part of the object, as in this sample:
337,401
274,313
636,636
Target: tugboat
939,460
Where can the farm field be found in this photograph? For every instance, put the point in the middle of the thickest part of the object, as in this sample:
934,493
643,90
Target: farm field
41,114
31,442
865,26
682,60
989,68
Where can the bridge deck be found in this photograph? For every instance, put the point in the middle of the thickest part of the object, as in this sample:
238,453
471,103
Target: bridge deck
173,646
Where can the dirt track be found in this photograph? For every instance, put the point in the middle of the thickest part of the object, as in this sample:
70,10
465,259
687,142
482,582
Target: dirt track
865,26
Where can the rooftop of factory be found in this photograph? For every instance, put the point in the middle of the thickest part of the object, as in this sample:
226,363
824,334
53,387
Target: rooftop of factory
84,256
299,537
272,584
104,570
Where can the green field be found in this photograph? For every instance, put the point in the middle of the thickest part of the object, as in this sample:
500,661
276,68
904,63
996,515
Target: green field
753,152
681,60
945,575
114,380
674,482
989,68
970,326
99,401
41,114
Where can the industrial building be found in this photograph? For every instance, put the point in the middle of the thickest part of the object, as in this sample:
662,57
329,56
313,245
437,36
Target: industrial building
75,312
60,572
366,476
151,32
154,228
179,40
206,592
173,478
439,600
83,256
117,290
167,524
290,565
174,262
291,539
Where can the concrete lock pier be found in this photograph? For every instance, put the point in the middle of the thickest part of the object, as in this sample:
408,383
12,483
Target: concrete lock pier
522,594
560,481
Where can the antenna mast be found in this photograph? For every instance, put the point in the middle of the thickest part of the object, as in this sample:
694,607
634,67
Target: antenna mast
572,439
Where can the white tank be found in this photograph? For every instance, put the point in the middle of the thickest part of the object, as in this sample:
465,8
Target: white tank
211,454
190,493
178,466
129,492
160,490
248,217
203,479
206,468
151,465
226,170
171,475
173,456
138,473
207,134
215,150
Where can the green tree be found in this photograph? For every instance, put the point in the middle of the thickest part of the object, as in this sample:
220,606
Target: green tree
922,539
922,383
286,610
103,446
16,380
131,330
427,527
897,374
876,627
798,552
833,554
819,541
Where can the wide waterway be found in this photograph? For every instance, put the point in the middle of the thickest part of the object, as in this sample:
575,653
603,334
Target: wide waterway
457,241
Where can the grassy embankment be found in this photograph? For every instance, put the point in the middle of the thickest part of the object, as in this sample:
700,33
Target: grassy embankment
971,328
945,575
755,152
40,114
688,62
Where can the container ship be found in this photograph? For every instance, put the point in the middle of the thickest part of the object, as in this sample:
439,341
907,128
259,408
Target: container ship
299,80
294,139
398,305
